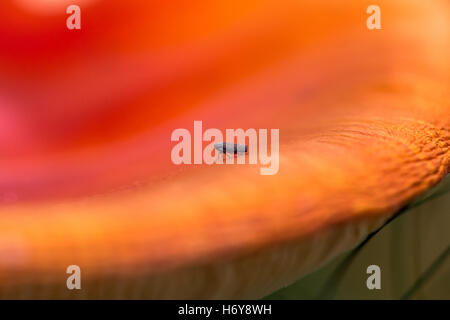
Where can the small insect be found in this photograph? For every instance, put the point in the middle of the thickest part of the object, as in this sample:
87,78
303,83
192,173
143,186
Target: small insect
230,148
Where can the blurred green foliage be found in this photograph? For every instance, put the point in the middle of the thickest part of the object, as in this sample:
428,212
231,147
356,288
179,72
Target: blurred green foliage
412,250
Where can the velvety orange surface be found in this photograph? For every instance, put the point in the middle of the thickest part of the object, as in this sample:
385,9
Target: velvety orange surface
86,117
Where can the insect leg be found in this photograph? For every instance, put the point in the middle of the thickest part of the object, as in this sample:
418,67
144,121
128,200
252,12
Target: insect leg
219,156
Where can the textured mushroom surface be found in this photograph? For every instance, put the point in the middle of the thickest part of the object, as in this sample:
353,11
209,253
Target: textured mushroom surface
86,118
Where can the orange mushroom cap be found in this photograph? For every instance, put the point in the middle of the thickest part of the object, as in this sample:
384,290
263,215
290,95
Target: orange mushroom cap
86,118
